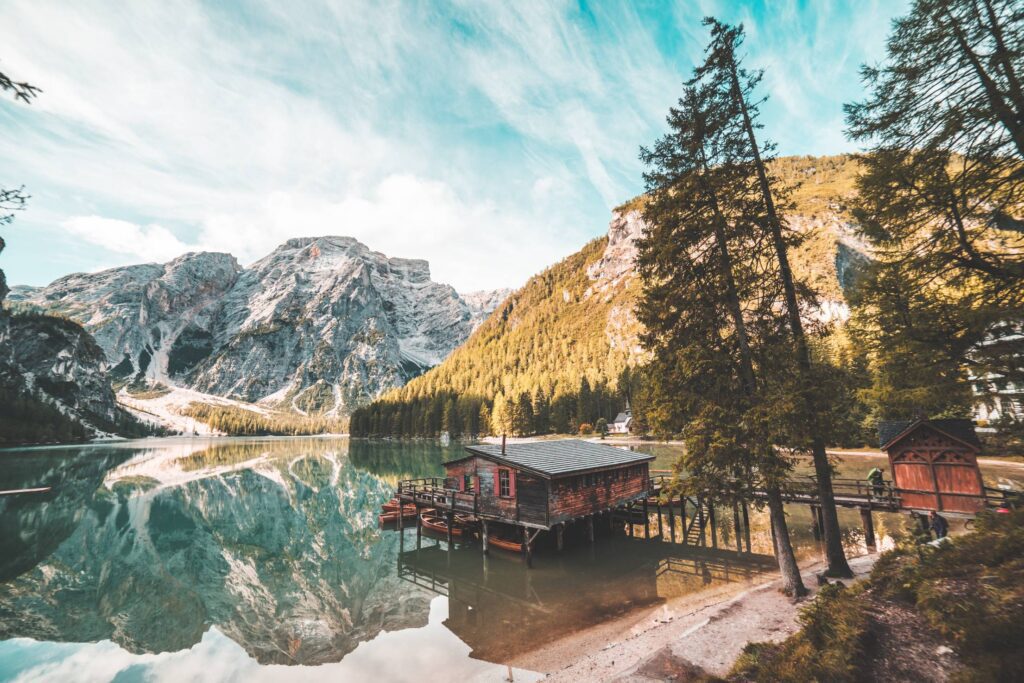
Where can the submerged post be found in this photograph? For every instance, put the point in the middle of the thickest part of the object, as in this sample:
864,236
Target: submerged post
869,527
590,528
526,547
560,537
483,535
419,529
661,523
401,526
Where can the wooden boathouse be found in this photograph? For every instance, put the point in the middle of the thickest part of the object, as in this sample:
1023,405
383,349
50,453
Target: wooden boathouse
934,464
533,487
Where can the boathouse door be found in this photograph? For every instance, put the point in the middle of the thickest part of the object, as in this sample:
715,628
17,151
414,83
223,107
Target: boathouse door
933,471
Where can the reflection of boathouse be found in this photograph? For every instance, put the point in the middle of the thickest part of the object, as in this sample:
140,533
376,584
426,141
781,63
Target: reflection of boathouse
501,611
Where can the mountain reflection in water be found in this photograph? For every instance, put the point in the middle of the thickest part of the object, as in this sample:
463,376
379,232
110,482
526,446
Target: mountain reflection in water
192,546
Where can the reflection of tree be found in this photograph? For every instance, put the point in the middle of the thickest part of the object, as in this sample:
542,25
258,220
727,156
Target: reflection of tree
500,609
33,525
400,460
237,452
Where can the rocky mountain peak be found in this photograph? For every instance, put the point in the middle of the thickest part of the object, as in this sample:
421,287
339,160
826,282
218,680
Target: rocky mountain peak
320,323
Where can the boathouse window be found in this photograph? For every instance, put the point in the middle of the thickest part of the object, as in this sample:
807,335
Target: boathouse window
505,483
467,483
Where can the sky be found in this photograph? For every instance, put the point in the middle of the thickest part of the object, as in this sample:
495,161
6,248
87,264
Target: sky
490,138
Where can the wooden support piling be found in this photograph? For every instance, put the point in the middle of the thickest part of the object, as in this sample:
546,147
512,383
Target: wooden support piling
736,527
711,523
419,529
746,526
682,516
661,527
484,536
647,520
815,529
527,555
869,527
671,520
401,526
590,528
451,526
560,537
629,517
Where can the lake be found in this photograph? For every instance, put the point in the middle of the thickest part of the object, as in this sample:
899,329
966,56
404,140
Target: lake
261,559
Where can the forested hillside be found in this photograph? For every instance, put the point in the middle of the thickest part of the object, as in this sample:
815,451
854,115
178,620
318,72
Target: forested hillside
556,356
544,360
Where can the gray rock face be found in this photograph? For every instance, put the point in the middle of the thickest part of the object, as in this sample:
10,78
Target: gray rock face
56,361
482,303
320,324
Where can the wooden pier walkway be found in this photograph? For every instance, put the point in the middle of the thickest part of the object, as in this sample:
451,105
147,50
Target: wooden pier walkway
688,519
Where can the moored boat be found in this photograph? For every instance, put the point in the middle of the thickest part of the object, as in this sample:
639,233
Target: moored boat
391,516
504,544
438,524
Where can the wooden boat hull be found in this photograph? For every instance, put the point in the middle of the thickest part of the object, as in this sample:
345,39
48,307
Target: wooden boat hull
439,525
392,516
504,544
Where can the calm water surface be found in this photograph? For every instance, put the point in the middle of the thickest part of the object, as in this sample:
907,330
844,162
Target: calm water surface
261,559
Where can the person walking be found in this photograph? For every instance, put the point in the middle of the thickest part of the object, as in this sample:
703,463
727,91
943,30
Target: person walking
938,524
876,478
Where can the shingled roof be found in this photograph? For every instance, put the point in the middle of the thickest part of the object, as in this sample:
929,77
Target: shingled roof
958,428
559,458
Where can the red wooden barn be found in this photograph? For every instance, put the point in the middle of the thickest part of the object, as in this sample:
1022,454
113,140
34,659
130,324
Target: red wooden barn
934,464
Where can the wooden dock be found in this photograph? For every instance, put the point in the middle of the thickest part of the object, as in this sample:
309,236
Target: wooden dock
689,520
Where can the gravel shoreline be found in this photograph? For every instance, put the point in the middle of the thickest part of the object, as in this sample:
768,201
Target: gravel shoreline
707,630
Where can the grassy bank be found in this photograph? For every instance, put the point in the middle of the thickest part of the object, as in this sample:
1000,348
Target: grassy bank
924,613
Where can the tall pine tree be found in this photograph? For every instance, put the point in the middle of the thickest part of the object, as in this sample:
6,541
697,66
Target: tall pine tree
748,158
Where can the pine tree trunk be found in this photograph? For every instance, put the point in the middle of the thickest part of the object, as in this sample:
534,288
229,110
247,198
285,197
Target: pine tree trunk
837,564
792,583
732,295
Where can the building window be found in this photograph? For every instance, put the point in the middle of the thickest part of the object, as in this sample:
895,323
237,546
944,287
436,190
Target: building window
505,483
467,483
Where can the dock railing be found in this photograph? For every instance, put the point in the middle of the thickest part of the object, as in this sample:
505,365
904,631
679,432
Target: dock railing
862,493
433,492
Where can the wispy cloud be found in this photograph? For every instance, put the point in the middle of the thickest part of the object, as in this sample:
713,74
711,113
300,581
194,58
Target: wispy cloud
489,137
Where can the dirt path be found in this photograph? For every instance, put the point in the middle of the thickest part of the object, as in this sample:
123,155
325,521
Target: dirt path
679,637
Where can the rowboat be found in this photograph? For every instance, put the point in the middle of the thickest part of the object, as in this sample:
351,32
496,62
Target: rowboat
391,506
390,516
432,521
504,544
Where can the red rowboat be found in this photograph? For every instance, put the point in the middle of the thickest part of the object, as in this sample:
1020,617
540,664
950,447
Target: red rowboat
504,544
432,521
392,516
